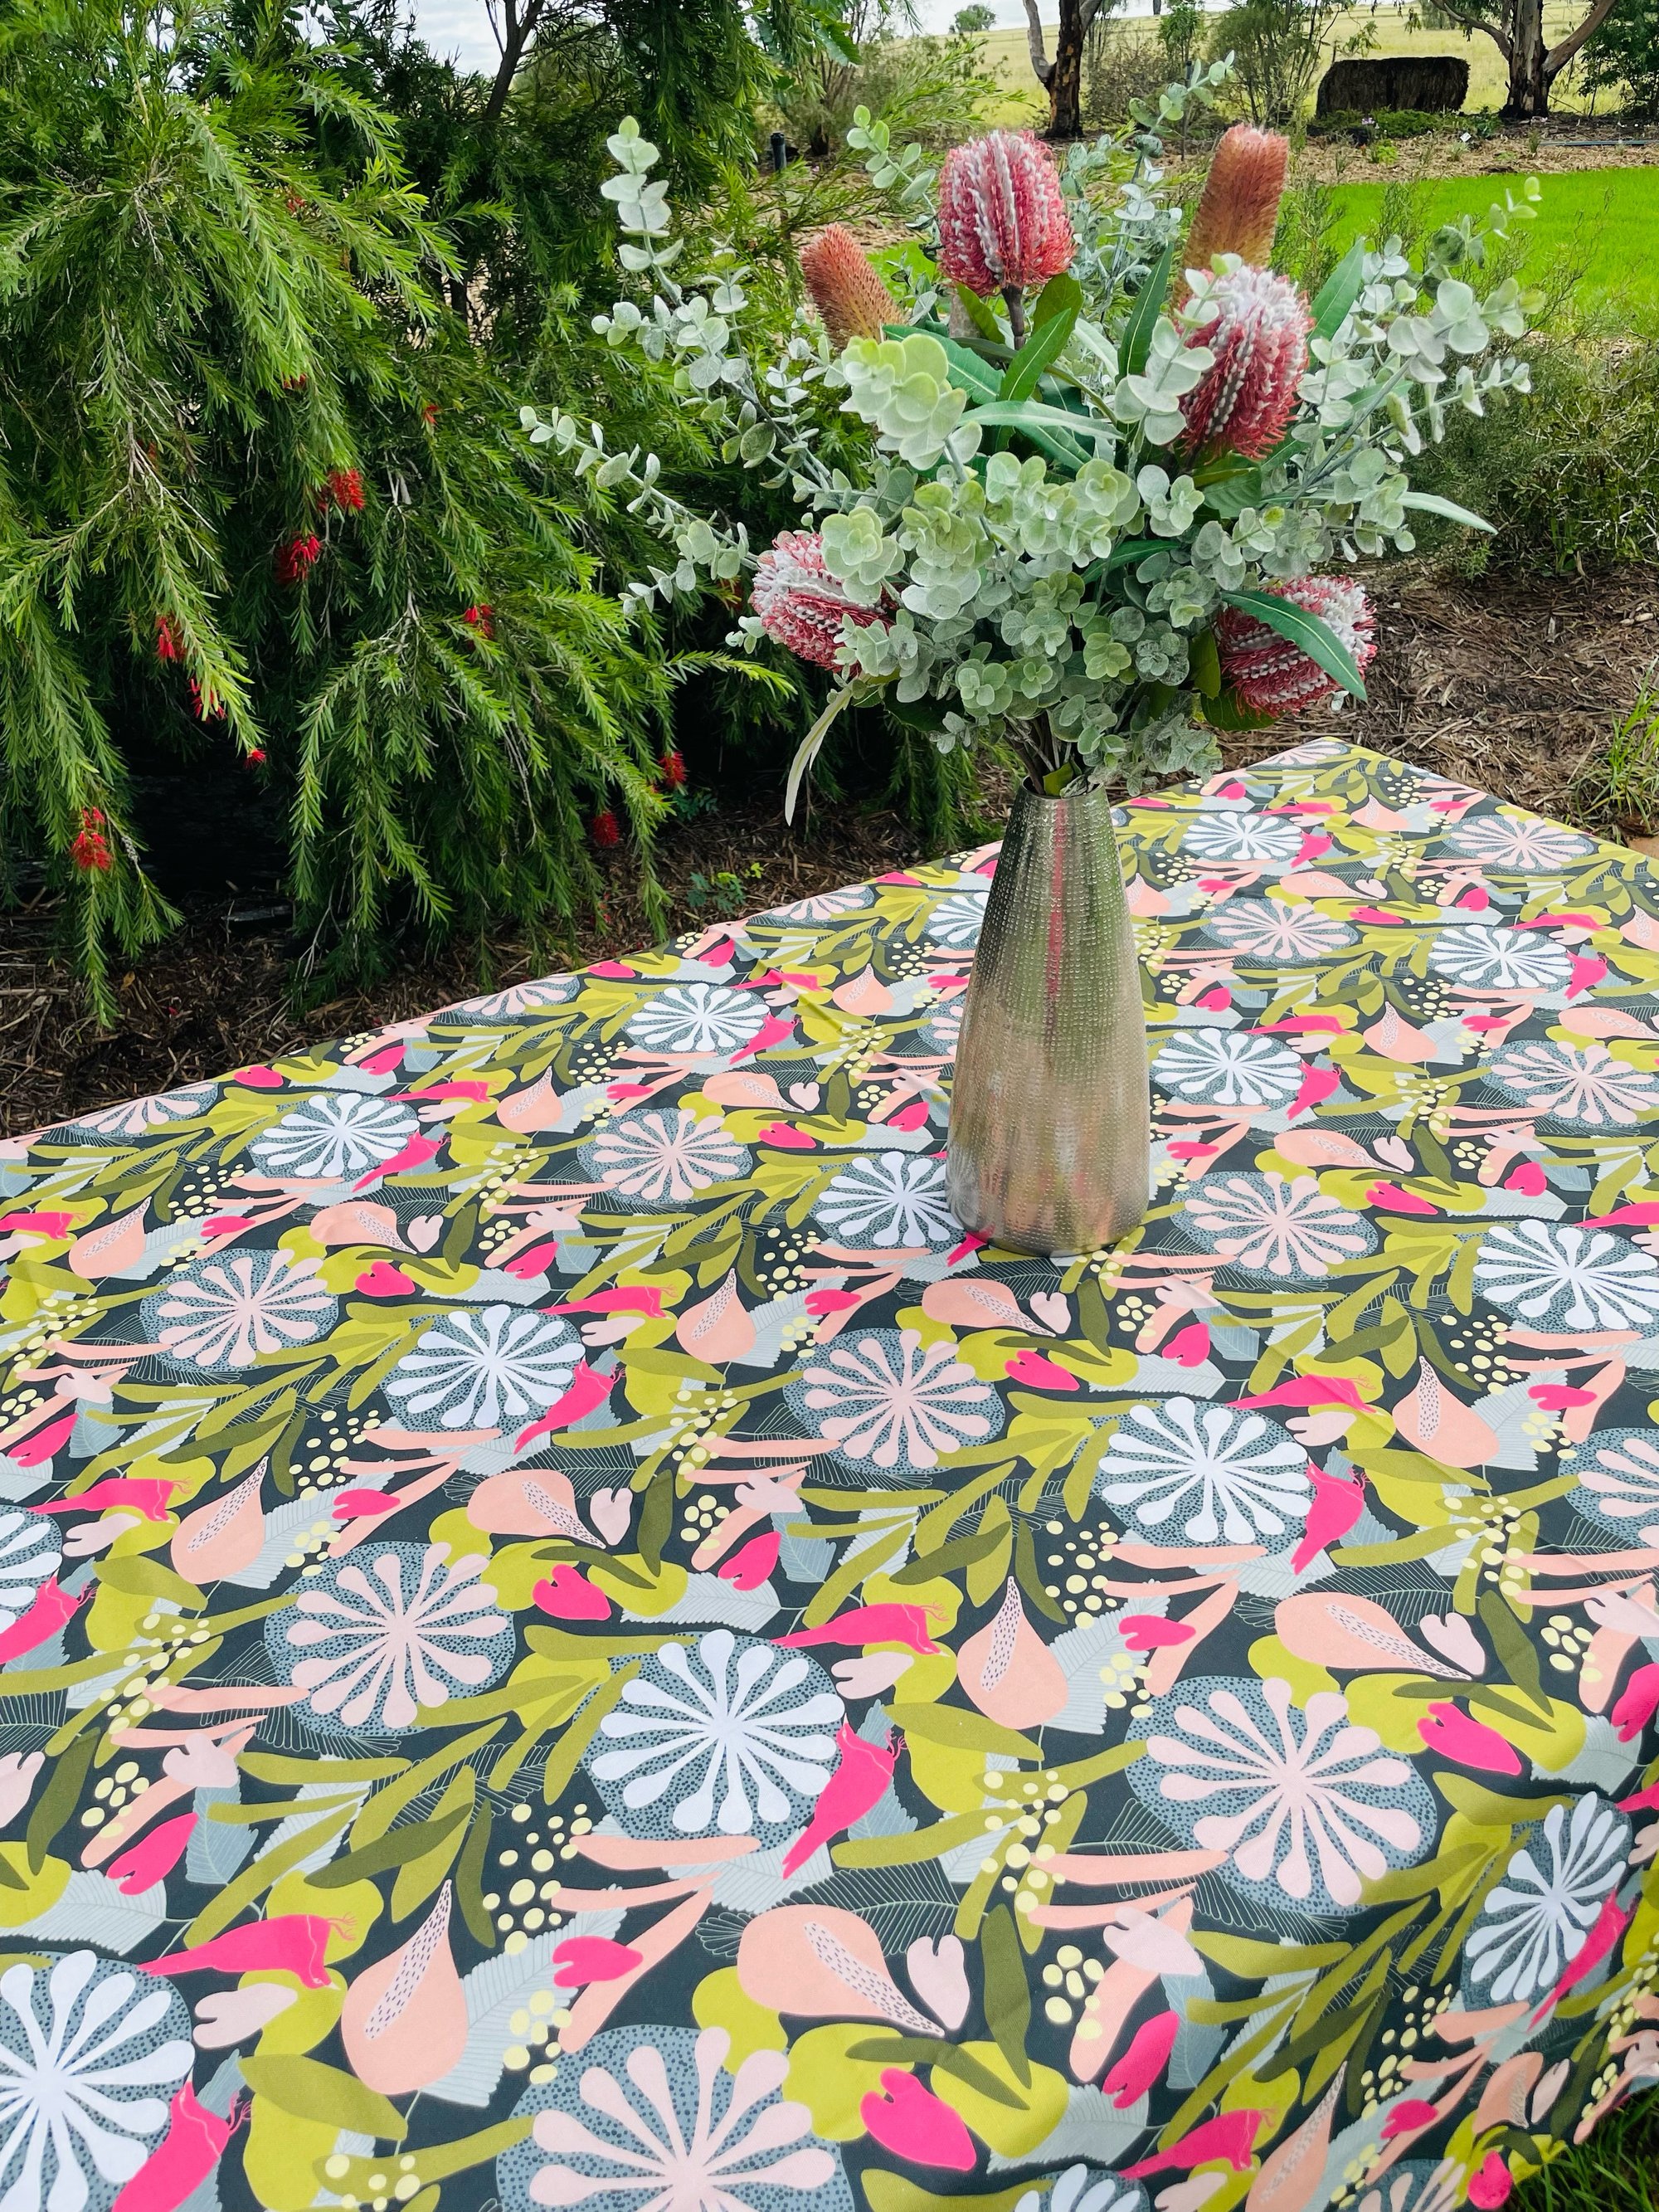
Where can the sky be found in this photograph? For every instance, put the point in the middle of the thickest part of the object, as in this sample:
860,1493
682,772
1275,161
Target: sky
462,27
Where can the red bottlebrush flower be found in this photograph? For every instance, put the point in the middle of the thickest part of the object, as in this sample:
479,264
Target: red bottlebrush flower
1002,220
606,830
673,770
429,413
846,290
801,604
92,818
209,709
482,619
89,852
295,383
255,756
296,559
1272,677
345,488
1238,210
1260,340
169,645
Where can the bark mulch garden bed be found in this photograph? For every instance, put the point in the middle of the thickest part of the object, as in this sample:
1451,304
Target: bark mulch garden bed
1510,686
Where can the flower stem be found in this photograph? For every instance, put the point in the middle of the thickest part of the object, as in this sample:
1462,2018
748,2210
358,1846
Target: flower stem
1015,313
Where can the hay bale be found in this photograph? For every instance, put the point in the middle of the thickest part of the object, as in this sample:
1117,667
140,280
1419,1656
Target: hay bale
1436,84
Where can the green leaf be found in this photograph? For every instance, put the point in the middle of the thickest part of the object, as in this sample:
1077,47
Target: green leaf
1340,291
968,373
960,1730
807,751
1032,414
978,313
310,2091
1008,1992
394,1848
1132,549
1228,712
1229,495
1137,341
1305,631
1206,662
1060,295
1430,503
1045,344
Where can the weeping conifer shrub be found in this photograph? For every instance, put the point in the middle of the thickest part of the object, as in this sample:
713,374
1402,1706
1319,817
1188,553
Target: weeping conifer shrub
256,492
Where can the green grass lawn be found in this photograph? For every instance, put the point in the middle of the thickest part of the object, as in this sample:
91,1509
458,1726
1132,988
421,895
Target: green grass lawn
1605,221
1616,2170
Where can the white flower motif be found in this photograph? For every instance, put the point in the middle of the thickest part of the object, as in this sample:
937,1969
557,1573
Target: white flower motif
1086,2189
336,1135
1618,1472
1234,835
1557,1277
388,1630
1188,1474
493,1367
889,1200
1227,1068
1290,1232
226,1310
657,2119
1308,1806
1273,930
90,2054
1582,1087
1525,841
30,1550
1486,956
664,1155
958,920
942,1031
825,906
728,1736
138,1115
534,998
697,1017
1535,1921
887,1400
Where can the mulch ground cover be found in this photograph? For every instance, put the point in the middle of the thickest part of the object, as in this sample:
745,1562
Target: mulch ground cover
1512,687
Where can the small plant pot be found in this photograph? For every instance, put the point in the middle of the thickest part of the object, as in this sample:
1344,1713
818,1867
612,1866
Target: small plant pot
1051,1114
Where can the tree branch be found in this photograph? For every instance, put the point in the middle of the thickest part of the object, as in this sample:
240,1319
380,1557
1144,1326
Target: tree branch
1042,66
1558,57
1501,39
521,22
1086,14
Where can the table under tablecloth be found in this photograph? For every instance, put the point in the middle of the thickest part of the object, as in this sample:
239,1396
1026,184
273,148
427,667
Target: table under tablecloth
567,1638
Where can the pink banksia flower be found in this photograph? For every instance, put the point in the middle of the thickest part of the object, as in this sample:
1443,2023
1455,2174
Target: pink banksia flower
1238,210
846,290
1258,337
1002,220
1272,677
801,604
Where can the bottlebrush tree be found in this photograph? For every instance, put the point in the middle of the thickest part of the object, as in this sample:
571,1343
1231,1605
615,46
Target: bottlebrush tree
254,492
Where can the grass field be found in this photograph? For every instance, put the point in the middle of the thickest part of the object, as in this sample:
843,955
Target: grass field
1604,220
1007,53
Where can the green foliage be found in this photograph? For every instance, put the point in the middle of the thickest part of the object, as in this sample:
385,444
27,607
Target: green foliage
1621,57
1397,123
1277,48
256,492
938,90
1619,788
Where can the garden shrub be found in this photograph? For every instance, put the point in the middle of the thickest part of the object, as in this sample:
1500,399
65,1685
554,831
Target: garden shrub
257,492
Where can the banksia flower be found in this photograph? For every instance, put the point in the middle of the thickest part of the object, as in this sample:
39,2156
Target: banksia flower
846,290
169,645
1260,340
606,830
1272,677
801,604
1002,220
481,618
1238,210
295,559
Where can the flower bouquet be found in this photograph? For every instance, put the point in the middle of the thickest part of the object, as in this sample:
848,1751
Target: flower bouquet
1069,490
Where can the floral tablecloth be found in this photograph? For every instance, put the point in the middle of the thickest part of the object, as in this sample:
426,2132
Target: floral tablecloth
568,1639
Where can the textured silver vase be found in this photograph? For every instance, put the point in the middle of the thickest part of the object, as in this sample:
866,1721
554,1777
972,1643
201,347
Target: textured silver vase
1050,1136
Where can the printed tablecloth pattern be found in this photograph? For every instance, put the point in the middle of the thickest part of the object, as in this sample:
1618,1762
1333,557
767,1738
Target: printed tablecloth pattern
570,1638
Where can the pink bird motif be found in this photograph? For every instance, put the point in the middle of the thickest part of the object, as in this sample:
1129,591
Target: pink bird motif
869,1624
1143,2062
1610,1925
414,1154
152,1859
859,1781
1337,1504
1232,2136
52,1608
588,1389
146,1494
292,1943
186,2155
